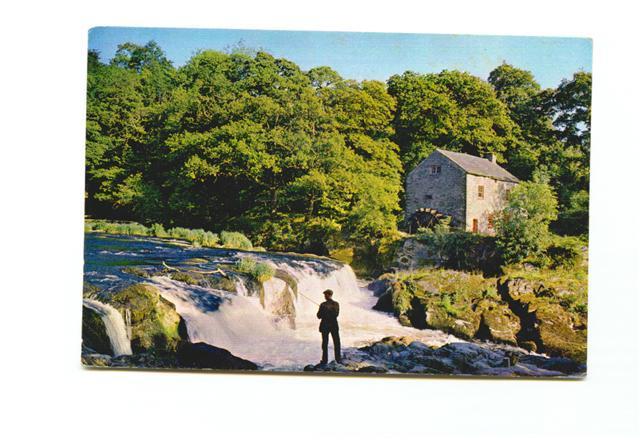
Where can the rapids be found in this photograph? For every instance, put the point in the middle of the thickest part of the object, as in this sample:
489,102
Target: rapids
242,325
275,326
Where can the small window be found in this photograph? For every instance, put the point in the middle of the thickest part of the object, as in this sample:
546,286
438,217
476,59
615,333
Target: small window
428,197
436,169
480,192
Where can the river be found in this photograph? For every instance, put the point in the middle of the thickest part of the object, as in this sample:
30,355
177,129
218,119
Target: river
247,322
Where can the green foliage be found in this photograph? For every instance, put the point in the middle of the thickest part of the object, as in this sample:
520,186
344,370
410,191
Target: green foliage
565,252
553,137
451,110
298,160
574,218
198,237
309,161
258,270
157,230
522,228
183,277
462,250
401,297
235,240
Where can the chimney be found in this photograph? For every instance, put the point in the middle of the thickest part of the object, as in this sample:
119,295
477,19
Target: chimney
491,157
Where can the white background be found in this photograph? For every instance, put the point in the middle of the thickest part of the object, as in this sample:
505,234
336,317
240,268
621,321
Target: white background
46,394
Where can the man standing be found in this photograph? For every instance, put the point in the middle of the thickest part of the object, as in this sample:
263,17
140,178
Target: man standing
328,316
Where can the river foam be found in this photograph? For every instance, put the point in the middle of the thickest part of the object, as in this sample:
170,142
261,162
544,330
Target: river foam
244,324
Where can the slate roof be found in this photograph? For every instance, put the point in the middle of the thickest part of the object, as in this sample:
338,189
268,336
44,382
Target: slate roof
479,166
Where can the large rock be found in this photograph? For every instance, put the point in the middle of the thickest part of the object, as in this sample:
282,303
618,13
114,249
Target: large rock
94,332
379,287
497,322
545,325
385,303
154,320
201,355
414,254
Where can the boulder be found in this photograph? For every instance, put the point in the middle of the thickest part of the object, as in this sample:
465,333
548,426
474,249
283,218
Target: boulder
379,287
545,326
154,320
94,332
201,355
497,322
385,303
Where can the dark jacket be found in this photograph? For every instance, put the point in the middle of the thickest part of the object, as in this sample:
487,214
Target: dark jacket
328,315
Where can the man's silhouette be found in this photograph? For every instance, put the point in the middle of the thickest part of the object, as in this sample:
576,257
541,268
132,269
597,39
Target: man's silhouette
328,316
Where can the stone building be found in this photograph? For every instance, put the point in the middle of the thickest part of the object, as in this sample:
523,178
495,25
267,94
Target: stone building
468,189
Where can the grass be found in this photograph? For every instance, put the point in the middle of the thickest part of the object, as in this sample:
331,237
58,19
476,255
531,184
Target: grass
197,237
259,271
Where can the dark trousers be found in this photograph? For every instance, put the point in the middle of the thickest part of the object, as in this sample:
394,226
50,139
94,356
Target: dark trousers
335,335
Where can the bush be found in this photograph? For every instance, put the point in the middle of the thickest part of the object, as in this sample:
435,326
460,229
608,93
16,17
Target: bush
522,228
564,252
197,237
235,240
260,271
157,230
460,250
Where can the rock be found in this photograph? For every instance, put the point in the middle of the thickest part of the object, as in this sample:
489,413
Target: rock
463,324
96,360
201,355
385,303
372,369
497,322
468,357
379,287
413,254
154,320
94,332
564,365
544,325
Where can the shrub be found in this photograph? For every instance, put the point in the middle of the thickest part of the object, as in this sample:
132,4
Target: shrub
157,230
460,250
235,240
564,252
197,237
522,228
260,271
401,296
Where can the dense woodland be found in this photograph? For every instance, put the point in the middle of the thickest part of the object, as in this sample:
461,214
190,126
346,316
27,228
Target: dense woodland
307,160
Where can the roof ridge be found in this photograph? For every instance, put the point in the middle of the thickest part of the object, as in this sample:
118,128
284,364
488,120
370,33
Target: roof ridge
477,165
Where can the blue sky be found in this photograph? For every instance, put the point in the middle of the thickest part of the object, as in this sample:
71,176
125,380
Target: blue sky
370,55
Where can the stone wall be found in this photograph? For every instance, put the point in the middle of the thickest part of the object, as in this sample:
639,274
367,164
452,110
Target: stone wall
481,209
447,188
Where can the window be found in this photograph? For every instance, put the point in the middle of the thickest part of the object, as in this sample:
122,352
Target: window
428,197
480,192
436,169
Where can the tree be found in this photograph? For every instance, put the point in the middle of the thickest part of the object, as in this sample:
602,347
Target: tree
451,110
522,228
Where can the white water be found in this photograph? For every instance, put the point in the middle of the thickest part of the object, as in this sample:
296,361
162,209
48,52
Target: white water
114,325
243,326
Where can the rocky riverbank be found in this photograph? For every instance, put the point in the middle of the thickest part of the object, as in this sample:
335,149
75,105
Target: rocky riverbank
404,355
537,314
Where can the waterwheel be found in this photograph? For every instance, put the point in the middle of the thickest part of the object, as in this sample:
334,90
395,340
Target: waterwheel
425,218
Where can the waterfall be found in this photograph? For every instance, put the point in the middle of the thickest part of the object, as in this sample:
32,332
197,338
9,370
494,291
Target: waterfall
255,328
114,325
